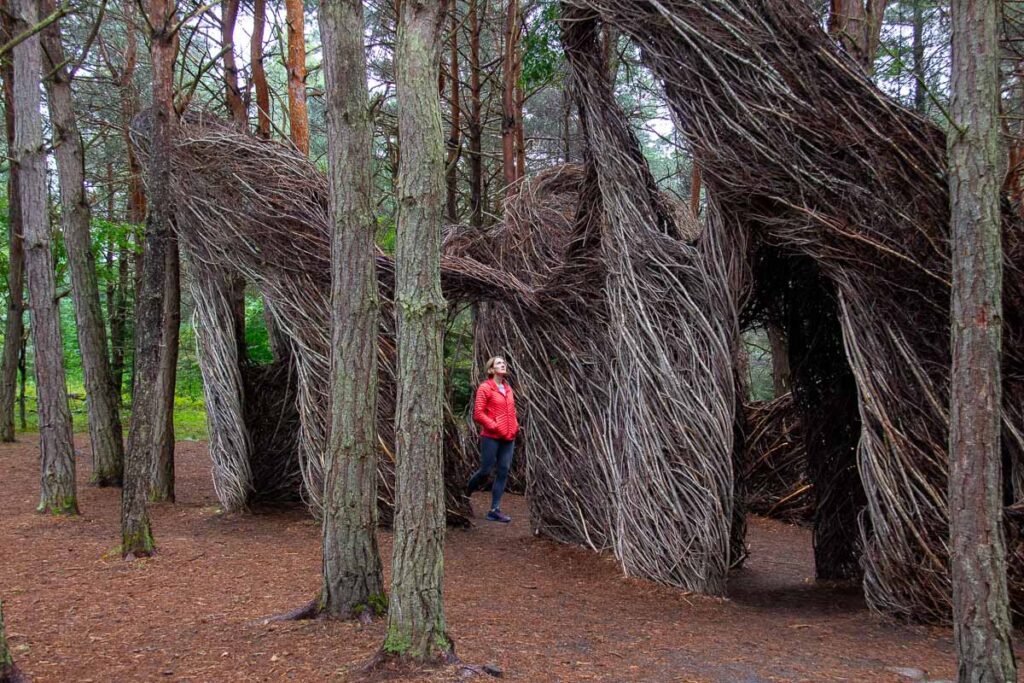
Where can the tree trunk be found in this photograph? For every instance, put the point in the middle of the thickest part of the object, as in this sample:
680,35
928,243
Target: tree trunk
232,94
857,26
57,461
239,115
455,138
520,130
23,372
566,118
147,430
259,73
981,619
508,96
136,200
781,378
129,108
298,115
695,181
353,578
14,329
101,401
917,54
136,203
416,624
162,484
111,200
118,326
476,130
9,672
110,295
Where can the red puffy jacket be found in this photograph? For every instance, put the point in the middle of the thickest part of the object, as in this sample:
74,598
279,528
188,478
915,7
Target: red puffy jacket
495,412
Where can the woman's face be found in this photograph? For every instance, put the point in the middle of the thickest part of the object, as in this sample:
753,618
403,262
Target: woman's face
500,368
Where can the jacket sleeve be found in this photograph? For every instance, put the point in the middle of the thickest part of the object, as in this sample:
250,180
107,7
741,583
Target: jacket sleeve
513,426
480,415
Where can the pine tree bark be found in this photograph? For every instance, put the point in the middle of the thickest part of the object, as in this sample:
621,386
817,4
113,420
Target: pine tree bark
162,483
857,26
781,377
101,401
520,129
508,95
981,619
566,118
476,130
136,213
259,72
118,327
917,54
416,624
353,577
147,430
129,109
232,93
298,114
14,328
455,137
58,495
22,372
239,116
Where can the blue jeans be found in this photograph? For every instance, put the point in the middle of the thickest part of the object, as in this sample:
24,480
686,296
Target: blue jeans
493,452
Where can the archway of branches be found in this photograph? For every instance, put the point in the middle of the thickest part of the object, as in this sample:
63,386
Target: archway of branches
837,198
828,215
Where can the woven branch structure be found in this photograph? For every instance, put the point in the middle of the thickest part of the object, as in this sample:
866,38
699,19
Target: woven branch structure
773,470
827,216
626,377
841,196
256,209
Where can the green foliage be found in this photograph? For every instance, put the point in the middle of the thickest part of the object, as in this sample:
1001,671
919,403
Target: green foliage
759,365
542,51
257,338
386,233
397,642
190,419
189,412
379,604
111,236
458,360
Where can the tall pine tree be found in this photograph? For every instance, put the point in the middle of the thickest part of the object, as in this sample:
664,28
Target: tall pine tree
981,616
353,579
416,625
57,461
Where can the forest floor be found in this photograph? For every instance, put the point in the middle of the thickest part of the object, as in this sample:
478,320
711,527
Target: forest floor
538,610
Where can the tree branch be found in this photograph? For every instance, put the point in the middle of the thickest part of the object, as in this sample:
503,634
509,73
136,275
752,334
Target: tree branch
61,11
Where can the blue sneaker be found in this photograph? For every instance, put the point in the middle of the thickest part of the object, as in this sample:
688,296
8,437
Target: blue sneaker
497,515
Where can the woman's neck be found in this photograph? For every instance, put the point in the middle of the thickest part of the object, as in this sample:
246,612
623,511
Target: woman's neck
499,380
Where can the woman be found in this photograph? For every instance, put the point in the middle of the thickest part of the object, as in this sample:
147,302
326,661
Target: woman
495,412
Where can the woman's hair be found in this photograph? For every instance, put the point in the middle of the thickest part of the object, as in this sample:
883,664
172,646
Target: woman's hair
489,367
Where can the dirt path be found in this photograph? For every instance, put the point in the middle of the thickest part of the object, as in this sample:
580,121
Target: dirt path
540,611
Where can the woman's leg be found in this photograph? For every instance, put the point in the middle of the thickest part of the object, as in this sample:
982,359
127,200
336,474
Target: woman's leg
488,456
504,454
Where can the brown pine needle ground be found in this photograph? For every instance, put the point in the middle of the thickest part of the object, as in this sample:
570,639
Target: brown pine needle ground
538,610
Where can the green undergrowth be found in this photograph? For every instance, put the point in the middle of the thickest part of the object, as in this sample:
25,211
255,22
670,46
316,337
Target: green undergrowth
189,414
